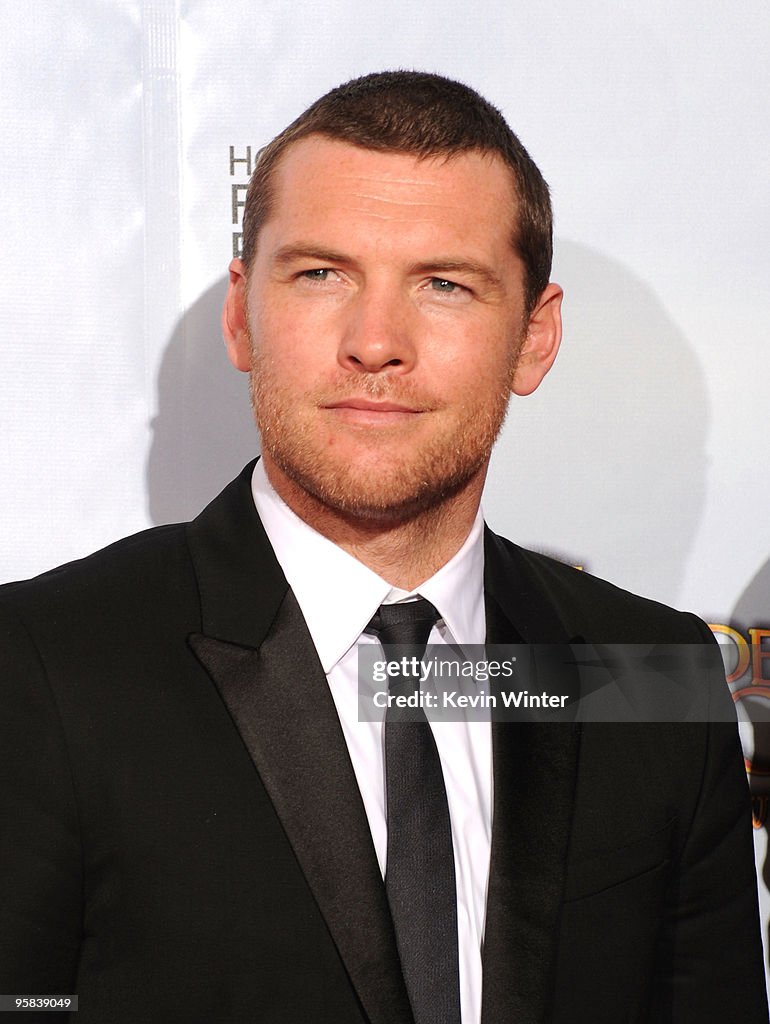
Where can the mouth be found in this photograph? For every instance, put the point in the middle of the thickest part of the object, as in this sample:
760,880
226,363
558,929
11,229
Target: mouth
367,411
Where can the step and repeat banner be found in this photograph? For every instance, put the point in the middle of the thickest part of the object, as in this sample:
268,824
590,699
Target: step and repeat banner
129,131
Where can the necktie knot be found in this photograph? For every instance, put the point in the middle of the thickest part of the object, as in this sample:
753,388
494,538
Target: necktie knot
407,624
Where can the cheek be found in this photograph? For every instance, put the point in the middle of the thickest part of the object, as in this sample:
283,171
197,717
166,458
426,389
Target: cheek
276,343
292,335
480,365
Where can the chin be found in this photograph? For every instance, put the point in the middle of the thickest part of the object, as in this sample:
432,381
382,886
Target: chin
378,493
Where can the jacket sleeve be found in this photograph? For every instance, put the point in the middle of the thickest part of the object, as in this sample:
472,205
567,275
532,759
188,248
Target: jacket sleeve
711,963
40,858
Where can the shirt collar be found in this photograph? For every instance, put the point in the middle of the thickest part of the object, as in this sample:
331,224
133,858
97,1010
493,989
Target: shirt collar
338,594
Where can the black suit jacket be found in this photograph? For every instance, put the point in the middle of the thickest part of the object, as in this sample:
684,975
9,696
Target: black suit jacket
182,837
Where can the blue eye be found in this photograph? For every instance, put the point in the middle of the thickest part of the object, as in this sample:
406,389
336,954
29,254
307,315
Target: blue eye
440,284
318,274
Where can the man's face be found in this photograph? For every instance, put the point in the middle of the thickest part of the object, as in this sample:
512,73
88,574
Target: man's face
381,323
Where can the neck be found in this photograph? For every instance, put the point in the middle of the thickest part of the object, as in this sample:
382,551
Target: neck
404,552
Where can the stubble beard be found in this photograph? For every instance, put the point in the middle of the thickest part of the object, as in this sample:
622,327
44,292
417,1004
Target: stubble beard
391,486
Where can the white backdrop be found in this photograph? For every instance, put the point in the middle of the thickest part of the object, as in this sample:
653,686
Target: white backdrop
641,456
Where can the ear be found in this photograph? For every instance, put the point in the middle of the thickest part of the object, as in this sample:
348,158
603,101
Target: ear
541,343
234,319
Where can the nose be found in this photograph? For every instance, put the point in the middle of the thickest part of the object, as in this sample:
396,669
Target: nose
378,333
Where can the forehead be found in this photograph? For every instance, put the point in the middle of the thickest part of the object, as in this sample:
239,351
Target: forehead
333,186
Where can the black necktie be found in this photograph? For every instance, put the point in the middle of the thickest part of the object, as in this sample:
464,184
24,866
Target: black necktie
420,870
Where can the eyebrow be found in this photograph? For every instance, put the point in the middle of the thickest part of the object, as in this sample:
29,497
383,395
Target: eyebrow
293,253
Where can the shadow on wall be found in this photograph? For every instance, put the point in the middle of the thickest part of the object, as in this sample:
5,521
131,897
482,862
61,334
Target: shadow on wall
203,433
605,465
753,606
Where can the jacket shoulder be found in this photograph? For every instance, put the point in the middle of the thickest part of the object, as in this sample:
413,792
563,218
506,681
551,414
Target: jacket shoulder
125,580
596,609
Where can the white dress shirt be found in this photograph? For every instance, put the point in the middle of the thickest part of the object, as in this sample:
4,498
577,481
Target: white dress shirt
338,595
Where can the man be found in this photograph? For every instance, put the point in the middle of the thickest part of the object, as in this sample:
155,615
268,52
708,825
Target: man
195,825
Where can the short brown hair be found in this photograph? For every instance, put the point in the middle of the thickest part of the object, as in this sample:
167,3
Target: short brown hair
426,115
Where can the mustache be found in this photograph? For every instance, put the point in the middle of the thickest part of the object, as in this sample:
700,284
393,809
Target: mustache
377,386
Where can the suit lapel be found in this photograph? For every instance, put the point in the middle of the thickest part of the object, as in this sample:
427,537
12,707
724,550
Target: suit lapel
265,667
534,782
255,646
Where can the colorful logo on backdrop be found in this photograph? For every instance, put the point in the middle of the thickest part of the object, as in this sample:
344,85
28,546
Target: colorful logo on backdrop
747,667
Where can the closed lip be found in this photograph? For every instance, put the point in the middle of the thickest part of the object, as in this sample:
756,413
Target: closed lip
367,405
